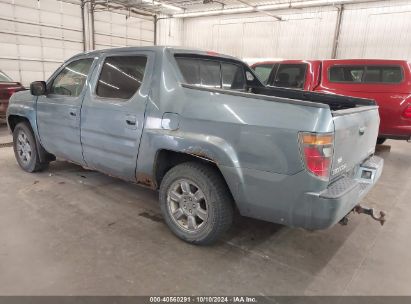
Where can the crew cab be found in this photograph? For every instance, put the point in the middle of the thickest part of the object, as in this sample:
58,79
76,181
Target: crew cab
388,82
202,129
7,88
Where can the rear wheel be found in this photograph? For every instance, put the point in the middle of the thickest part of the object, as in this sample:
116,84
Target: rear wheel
381,140
25,149
196,203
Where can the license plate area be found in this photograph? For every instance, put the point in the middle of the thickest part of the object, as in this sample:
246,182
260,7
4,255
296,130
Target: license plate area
368,170
366,175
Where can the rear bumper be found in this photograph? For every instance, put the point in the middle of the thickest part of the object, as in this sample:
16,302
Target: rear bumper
331,205
288,200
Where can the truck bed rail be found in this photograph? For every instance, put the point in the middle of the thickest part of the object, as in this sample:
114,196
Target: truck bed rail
336,102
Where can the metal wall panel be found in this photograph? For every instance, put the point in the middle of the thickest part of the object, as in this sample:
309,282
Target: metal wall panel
376,30
170,31
368,30
303,33
115,29
36,36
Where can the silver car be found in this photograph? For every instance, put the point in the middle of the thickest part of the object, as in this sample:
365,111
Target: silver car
202,129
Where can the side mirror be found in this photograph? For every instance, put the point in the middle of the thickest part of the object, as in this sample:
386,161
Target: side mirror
38,88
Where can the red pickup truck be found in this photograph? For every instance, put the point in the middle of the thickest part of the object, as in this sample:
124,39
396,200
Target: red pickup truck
388,82
7,88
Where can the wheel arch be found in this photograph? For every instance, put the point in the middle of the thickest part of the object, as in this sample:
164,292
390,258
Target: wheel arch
13,120
166,159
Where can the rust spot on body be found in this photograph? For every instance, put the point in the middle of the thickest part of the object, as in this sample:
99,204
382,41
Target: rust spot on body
146,180
201,153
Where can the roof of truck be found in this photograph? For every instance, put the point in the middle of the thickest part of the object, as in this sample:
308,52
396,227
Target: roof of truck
159,48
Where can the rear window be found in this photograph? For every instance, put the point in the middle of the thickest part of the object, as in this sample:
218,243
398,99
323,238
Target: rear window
290,76
212,73
263,71
383,74
366,74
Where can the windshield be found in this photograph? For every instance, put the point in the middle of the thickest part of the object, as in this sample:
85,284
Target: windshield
4,77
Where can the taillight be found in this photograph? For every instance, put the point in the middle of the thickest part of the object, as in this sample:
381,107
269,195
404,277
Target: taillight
317,152
407,112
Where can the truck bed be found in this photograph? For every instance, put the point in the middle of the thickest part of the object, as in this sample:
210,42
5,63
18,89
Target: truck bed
336,102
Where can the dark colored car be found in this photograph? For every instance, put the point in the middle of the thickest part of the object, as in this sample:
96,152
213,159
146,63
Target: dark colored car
388,82
7,88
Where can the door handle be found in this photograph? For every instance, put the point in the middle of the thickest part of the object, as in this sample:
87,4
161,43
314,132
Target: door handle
73,112
131,120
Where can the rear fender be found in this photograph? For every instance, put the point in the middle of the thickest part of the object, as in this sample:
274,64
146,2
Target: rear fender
207,147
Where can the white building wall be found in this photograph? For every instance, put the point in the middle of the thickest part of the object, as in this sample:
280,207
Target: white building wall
36,36
307,34
377,29
170,31
117,29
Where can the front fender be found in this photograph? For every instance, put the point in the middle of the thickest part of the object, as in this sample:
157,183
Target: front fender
23,104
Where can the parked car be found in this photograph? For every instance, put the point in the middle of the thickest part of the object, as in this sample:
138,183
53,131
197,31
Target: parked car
7,88
388,82
204,131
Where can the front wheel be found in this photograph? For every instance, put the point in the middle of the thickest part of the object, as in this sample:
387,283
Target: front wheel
196,203
25,149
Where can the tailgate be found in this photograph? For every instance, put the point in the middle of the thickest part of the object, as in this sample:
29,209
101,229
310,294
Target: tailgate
356,132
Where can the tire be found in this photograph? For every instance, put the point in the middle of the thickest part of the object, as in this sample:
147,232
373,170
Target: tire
25,149
200,212
381,140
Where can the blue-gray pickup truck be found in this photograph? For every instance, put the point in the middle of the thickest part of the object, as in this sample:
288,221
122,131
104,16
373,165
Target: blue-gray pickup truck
202,129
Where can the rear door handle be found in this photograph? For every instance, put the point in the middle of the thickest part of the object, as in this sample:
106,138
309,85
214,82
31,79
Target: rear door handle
73,112
131,121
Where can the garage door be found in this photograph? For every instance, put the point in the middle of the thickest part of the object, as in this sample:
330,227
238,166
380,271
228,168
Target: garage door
37,36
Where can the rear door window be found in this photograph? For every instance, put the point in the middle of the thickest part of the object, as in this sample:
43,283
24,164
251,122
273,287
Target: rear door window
121,76
232,76
290,76
263,71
